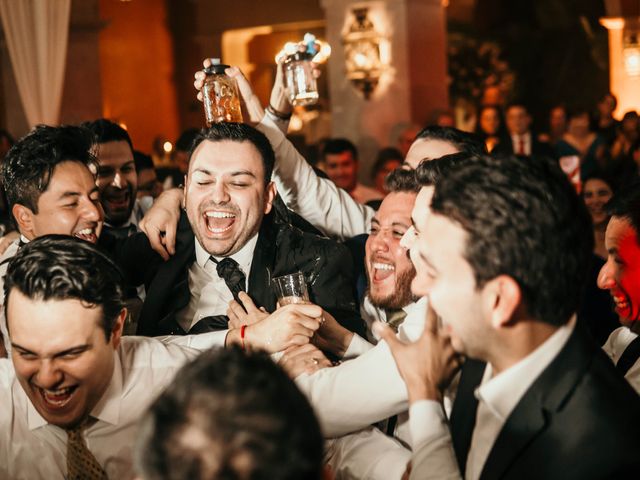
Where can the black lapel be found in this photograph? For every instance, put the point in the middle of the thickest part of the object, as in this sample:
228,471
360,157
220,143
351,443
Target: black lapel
535,410
463,413
262,266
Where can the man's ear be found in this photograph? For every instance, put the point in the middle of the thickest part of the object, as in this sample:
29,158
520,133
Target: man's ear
270,195
502,299
24,219
118,328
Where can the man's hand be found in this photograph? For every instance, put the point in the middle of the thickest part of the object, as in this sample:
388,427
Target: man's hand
303,359
246,313
249,101
288,326
7,240
331,336
427,365
160,223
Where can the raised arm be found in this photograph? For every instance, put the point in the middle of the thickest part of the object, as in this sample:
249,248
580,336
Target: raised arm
319,200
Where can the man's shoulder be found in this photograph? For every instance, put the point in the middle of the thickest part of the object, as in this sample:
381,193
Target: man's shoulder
292,240
137,352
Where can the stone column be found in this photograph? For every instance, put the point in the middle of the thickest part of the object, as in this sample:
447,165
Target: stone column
414,83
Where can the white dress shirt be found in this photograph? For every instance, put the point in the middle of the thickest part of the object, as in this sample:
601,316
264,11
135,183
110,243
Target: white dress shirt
318,200
526,140
30,448
8,254
615,345
209,292
497,397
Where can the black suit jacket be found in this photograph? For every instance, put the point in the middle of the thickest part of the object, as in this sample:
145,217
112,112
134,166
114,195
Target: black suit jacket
538,148
280,249
580,419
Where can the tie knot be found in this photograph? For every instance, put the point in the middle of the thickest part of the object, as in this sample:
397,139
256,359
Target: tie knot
82,426
227,267
229,270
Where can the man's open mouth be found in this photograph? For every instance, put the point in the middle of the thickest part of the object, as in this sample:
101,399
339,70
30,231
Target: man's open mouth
219,222
87,234
382,270
118,200
58,398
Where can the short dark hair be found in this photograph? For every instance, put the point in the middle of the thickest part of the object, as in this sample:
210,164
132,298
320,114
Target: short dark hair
29,165
339,145
625,204
142,161
239,132
524,220
463,141
429,172
186,138
250,419
516,104
402,180
60,267
108,131
385,155
602,176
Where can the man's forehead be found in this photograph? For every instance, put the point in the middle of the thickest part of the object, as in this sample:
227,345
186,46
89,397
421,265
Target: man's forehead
428,148
116,151
619,229
70,173
396,206
225,156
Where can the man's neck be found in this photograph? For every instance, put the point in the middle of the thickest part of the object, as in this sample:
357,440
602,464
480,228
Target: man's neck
517,342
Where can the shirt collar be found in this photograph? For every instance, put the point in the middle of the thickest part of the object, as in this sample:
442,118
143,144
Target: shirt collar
107,409
502,393
244,256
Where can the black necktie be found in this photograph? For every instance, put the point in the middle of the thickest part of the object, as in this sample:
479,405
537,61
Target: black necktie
229,270
629,356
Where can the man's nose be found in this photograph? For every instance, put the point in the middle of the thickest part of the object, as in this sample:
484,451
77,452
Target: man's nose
118,180
49,375
220,193
605,277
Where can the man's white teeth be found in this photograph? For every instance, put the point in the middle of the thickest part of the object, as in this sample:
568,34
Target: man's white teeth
85,231
620,302
220,215
383,266
60,391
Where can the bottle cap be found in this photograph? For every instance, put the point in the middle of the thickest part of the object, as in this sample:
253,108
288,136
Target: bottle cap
299,56
216,67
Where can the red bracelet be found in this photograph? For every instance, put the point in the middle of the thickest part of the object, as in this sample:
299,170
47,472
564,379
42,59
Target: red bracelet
242,329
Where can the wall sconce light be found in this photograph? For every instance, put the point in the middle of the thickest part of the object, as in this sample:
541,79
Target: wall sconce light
362,53
631,54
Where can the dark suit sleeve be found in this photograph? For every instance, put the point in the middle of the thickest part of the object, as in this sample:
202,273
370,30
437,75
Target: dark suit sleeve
332,284
134,255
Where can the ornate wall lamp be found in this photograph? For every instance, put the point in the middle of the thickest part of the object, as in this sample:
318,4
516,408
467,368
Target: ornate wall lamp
362,53
631,48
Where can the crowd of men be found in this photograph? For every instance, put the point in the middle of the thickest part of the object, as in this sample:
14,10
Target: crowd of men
441,337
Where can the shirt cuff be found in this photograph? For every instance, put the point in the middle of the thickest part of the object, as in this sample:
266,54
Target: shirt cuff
427,422
201,341
357,347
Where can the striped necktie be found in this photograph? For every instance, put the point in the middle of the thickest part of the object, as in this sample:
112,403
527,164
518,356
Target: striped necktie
81,464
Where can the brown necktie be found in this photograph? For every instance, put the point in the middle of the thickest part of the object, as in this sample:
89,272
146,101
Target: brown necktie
395,318
521,145
81,464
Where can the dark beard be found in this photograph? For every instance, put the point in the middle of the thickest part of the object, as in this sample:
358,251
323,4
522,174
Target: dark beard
401,297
